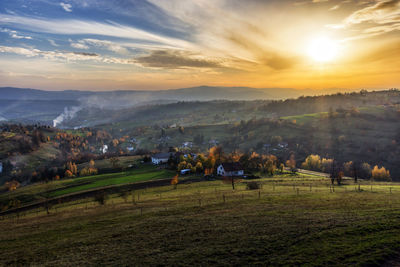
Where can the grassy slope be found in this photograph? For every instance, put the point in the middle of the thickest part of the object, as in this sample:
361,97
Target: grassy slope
115,179
280,228
38,191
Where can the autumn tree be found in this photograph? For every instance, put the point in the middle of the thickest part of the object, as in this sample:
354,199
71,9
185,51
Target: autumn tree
175,181
312,162
71,167
199,167
291,164
68,174
380,174
12,185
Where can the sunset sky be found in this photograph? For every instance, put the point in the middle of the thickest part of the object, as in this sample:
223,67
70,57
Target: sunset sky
163,44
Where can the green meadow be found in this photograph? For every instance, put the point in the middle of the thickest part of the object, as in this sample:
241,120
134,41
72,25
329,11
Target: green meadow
289,220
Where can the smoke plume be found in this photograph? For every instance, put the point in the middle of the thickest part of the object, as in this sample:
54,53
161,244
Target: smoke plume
68,114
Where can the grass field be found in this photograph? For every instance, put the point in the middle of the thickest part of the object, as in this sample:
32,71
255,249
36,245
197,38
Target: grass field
289,221
114,179
39,191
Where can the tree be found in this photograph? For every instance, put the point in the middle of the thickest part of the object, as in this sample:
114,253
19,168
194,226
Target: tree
276,139
291,164
281,167
199,167
312,162
365,170
269,166
380,174
326,165
115,142
351,169
339,177
70,166
175,181
12,185
68,174
115,162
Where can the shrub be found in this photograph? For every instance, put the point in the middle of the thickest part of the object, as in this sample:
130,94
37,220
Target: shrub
253,185
101,198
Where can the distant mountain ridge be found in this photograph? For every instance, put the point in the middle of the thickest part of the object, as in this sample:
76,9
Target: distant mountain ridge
52,107
201,93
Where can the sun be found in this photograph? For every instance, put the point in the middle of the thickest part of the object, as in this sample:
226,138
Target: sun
323,49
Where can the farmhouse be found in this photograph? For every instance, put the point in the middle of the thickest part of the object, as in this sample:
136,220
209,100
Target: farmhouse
161,158
230,169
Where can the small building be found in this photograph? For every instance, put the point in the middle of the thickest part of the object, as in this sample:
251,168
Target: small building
161,158
187,144
283,145
104,149
186,171
230,169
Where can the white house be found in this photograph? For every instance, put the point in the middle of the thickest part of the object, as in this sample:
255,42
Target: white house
230,169
186,171
161,158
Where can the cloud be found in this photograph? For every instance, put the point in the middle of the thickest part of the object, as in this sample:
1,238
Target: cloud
66,7
108,45
19,50
377,18
381,12
15,34
64,55
79,46
52,42
87,27
175,60
335,7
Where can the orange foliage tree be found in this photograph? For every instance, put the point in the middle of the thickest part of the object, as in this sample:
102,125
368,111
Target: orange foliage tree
175,181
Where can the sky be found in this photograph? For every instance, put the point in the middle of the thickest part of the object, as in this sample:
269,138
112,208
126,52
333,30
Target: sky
163,44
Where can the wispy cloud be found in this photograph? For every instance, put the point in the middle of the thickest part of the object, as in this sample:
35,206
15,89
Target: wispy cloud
381,12
376,18
15,34
66,7
87,27
105,44
175,60
64,55
78,45
53,43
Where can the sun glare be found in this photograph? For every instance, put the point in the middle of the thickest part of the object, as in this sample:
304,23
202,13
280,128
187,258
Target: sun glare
323,49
